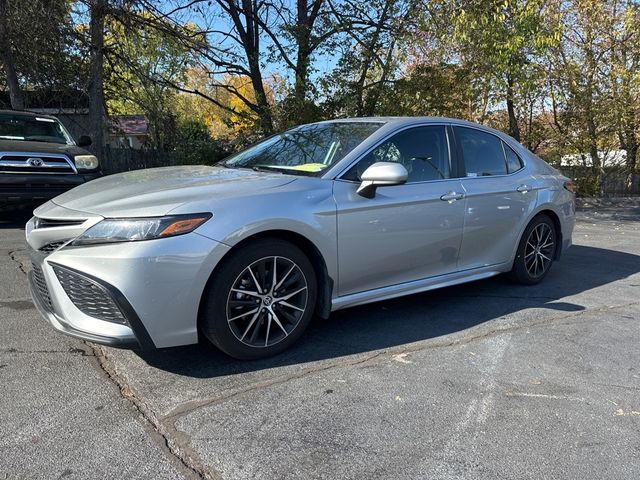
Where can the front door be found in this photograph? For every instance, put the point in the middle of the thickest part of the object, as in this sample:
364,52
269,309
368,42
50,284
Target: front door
405,232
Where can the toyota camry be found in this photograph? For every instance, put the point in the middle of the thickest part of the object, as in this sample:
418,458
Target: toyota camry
319,218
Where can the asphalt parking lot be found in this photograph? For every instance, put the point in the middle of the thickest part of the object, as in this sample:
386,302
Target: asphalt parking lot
480,381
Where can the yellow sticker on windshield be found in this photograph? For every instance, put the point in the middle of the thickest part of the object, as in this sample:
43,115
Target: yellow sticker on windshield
308,167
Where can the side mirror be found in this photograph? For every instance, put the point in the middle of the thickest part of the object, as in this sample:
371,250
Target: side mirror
381,174
84,141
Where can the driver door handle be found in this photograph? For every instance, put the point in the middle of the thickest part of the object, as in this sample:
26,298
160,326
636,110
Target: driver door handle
452,196
523,188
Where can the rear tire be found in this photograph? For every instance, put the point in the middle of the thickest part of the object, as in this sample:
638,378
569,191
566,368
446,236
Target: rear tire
281,291
536,251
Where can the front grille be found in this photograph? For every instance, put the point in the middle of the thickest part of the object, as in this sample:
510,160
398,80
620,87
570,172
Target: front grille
34,163
51,247
88,296
50,222
41,285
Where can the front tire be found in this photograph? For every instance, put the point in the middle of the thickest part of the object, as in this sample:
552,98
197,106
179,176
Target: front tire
536,251
260,299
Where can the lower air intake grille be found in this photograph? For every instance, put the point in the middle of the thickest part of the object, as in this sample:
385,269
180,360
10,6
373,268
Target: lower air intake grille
90,297
50,247
41,285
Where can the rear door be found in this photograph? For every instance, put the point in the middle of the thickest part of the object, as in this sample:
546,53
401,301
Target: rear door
405,232
499,194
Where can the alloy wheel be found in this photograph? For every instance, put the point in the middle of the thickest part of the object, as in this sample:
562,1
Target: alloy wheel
267,301
538,251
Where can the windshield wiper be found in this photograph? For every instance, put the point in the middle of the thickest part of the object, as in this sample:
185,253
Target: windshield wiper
266,168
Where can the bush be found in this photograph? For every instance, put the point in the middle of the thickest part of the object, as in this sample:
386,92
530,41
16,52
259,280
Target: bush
195,146
587,185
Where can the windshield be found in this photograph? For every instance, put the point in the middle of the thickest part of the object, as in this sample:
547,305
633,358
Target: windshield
305,150
32,129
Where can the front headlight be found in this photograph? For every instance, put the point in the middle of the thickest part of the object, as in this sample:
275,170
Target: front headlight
86,162
136,229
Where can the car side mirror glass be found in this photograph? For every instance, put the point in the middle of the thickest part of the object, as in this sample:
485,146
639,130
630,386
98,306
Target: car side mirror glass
381,174
84,141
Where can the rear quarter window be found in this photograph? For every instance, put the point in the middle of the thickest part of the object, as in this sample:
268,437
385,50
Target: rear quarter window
514,163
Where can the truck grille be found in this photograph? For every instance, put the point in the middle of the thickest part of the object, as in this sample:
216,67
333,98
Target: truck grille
41,286
88,296
11,162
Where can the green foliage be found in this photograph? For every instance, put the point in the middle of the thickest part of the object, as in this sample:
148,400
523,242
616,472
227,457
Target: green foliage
431,90
562,76
588,185
47,54
144,64
195,146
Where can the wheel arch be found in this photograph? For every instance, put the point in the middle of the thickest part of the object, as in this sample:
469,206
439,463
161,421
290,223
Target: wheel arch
324,280
549,212
556,223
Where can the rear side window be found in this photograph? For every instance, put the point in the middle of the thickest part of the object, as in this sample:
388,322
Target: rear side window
513,161
482,152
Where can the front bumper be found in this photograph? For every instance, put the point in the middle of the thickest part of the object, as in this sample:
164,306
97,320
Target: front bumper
156,285
59,324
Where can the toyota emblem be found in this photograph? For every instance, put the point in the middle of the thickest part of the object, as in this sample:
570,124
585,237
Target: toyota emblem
35,162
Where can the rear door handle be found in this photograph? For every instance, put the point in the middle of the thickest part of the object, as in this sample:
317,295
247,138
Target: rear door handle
452,197
523,188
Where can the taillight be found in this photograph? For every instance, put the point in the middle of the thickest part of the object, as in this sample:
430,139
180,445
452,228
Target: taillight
570,186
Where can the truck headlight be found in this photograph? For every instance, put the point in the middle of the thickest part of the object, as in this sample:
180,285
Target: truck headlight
86,162
136,229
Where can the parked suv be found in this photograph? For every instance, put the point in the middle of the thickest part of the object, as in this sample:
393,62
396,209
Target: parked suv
39,160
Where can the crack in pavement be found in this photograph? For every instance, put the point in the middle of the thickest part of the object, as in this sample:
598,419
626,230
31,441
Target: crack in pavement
177,441
177,447
72,350
177,444
191,406
21,265
184,463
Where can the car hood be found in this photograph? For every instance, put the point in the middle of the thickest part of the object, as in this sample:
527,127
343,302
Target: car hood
40,147
157,191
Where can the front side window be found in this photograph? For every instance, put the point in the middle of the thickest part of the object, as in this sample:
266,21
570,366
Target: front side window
482,152
32,129
423,151
305,150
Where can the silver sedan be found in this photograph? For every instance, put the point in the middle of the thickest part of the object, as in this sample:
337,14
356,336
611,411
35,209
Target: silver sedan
321,217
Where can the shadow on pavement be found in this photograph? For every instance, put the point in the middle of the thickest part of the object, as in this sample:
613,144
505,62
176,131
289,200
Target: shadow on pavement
15,217
417,317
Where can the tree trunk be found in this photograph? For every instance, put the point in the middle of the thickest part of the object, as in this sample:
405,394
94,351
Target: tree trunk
262,102
368,57
514,130
631,143
303,37
592,131
596,164
97,10
252,50
6,56
371,102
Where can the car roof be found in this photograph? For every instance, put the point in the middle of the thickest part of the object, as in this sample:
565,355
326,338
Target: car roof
392,119
407,121
23,113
